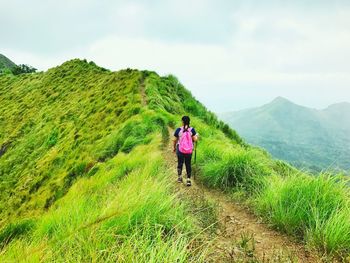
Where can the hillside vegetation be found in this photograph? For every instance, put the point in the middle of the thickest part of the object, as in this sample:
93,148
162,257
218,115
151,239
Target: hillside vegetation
9,67
305,137
6,65
83,177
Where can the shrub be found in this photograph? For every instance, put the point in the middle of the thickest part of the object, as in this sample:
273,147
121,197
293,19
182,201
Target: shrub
303,206
237,168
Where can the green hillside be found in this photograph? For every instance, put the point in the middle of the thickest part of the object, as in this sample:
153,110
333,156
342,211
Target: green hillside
6,64
9,67
307,138
83,175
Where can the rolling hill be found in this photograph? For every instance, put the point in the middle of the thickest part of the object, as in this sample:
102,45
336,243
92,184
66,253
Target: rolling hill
305,137
6,64
85,174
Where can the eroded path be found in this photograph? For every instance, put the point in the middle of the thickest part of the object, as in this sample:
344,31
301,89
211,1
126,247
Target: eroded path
240,236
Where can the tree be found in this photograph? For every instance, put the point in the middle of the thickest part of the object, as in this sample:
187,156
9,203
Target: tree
23,68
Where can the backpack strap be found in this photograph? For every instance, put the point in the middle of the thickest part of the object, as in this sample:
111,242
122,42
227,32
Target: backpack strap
189,130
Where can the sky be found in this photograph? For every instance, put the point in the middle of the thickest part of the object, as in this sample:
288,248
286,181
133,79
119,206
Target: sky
230,54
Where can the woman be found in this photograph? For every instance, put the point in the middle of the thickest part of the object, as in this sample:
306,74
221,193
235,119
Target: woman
185,136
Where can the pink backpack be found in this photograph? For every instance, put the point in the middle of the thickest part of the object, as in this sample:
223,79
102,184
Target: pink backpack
185,141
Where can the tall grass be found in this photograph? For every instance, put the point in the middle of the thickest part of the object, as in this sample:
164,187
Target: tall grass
125,212
314,209
167,94
332,237
83,177
301,202
227,165
52,123
309,208
239,168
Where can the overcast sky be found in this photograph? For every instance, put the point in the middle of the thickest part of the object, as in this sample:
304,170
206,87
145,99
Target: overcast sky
230,54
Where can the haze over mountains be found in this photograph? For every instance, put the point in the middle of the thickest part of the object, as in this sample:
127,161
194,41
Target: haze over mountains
310,138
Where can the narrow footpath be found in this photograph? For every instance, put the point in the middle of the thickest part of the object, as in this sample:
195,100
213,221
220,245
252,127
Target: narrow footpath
240,236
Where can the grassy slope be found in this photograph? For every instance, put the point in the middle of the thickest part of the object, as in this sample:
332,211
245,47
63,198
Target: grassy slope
6,64
50,124
73,167
79,150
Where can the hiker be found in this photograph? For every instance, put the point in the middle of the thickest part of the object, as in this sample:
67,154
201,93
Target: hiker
185,137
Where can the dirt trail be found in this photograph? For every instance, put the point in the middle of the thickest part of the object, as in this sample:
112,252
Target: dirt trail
143,92
240,236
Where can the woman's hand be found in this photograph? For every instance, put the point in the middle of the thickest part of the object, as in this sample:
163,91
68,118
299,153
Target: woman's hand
174,145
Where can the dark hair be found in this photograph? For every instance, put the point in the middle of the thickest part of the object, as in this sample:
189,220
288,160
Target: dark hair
186,121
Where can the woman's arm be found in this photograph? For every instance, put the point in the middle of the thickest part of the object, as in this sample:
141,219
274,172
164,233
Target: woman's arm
195,136
174,144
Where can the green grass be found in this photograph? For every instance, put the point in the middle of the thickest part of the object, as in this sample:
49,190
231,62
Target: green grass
53,122
302,202
314,209
14,230
167,94
332,236
6,65
83,176
126,211
239,168
309,208
292,201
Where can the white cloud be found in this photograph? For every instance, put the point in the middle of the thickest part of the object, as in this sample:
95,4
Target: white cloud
229,56
206,69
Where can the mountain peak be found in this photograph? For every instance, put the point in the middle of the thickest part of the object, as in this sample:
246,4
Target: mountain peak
280,99
76,65
6,63
280,103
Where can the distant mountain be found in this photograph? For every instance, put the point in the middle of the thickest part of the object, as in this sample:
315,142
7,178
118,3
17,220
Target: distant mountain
310,138
6,64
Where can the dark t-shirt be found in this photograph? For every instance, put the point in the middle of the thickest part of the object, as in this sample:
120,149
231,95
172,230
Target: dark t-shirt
176,134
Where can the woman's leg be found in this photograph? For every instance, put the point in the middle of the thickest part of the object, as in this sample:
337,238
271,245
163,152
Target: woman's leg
180,162
188,158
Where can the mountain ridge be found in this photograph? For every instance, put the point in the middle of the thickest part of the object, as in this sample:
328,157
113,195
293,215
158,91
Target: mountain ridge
297,129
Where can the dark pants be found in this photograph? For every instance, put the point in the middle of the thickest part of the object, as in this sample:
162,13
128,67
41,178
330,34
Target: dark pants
181,159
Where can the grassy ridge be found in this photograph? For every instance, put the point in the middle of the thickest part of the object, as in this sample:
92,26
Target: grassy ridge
78,184
50,123
168,96
82,171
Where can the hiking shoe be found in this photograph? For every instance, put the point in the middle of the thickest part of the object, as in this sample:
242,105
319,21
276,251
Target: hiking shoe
179,179
188,183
